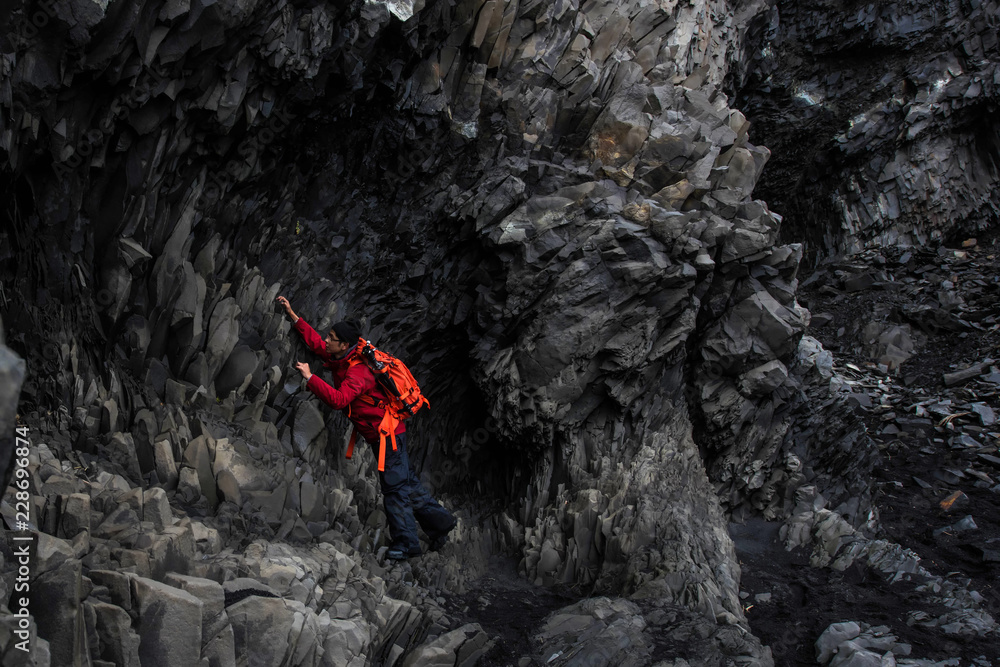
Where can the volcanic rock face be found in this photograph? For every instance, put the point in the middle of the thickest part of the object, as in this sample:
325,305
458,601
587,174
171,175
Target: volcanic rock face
881,117
544,208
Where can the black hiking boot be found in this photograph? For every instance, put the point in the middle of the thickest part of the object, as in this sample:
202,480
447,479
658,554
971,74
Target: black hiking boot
438,541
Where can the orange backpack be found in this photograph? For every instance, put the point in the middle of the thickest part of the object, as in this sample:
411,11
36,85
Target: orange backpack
401,390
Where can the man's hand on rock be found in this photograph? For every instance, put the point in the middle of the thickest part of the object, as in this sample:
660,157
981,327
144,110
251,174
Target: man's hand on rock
283,302
303,368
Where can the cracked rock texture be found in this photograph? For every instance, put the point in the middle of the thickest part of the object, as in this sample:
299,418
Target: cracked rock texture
546,209
881,117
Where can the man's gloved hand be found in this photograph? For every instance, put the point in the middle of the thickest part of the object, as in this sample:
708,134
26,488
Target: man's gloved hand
283,302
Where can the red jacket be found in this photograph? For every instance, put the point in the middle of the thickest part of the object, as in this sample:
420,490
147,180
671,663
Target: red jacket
350,383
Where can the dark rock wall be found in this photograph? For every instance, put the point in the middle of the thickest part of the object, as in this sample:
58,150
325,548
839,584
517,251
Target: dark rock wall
545,208
882,118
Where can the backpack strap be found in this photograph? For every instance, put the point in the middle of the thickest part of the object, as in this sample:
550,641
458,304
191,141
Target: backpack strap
386,430
353,361
350,445
382,436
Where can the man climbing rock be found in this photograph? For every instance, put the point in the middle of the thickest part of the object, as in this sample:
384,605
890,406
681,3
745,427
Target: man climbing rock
355,392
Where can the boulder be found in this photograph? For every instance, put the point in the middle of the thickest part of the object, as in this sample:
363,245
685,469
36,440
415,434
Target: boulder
59,592
166,467
144,431
119,644
169,623
242,474
347,641
262,627
121,450
74,515
189,485
211,594
462,646
119,586
608,632
763,379
122,525
223,334
156,508
240,365
309,423
198,457
832,637
220,649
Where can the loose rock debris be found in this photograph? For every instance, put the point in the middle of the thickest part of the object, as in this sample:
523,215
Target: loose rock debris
916,353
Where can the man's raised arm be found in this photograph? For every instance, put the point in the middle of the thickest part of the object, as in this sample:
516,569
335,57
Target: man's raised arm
288,308
312,339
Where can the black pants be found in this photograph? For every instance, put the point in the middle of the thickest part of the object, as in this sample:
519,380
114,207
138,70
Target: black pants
408,503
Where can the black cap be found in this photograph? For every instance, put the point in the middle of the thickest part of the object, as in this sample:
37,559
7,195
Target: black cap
347,331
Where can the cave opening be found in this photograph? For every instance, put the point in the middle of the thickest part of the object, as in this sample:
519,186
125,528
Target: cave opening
356,194
347,170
